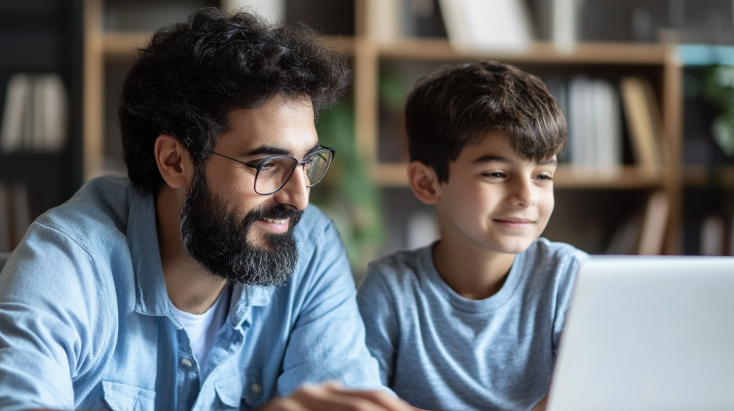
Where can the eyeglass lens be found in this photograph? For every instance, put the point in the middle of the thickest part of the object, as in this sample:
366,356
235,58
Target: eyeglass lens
275,172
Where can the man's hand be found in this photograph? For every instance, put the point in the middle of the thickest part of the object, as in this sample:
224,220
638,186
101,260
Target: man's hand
541,406
332,397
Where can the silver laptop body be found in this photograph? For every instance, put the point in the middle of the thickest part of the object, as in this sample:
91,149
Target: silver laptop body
648,333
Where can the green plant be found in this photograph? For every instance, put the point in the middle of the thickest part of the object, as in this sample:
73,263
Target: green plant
350,198
718,88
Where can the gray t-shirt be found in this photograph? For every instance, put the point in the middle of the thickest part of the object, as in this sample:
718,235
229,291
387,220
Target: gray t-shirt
441,351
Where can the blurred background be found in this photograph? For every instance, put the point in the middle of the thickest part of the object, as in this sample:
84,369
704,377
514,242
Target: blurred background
647,87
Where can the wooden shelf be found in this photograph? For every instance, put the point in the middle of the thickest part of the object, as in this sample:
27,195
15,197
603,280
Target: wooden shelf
718,176
627,177
541,52
122,44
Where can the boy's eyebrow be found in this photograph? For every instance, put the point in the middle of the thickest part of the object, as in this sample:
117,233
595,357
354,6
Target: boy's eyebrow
500,159
493,159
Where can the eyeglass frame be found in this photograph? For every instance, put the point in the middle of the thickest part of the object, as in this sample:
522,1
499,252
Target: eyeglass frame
296,163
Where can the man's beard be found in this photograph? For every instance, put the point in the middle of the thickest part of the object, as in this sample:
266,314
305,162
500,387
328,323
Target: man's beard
216,238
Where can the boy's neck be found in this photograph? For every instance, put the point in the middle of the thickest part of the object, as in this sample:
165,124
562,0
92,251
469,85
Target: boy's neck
473,272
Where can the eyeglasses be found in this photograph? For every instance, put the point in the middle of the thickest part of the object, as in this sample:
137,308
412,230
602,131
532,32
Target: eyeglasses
275,171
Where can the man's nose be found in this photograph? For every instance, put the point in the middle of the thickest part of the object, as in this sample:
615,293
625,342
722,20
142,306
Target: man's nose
295,191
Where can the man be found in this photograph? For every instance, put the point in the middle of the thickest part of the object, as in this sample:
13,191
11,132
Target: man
203,281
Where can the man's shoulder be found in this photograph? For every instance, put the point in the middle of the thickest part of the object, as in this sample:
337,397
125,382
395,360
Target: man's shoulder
98,210
314,224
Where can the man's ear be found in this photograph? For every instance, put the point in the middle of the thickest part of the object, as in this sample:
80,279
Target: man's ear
173,161
424,182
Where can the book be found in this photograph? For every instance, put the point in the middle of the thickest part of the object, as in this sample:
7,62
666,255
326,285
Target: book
712,236
643,119
654,224
564,25
644,232
51,113
385,20
20,212
36,113
14,123
271,10
607,125
581,125
487,24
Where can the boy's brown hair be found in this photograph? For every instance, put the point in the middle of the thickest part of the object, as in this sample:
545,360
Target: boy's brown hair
459,104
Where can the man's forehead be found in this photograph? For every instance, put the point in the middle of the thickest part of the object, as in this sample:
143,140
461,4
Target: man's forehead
280,126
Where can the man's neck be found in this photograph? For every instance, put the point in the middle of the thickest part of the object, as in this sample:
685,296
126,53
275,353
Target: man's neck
469,269
190,287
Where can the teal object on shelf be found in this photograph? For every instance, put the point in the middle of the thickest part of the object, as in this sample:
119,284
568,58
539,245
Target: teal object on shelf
705,55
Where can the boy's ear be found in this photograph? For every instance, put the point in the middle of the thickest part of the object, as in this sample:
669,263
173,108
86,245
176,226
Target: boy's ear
424,182
172,160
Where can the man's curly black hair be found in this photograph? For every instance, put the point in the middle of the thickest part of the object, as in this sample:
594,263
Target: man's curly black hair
192,75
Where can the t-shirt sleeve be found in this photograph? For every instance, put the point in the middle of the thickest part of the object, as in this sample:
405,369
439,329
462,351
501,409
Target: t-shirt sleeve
48,308
566,279
377,308
327,341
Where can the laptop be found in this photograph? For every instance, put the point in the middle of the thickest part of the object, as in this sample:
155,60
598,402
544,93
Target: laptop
648,333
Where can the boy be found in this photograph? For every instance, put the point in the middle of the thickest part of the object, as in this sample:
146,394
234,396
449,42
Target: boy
473,321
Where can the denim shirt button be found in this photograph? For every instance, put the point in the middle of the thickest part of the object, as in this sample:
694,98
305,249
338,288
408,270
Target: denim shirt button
186,362
256,388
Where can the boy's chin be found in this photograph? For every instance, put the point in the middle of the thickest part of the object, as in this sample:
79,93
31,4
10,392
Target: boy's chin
514,246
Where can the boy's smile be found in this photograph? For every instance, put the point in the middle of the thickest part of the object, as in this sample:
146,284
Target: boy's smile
494,199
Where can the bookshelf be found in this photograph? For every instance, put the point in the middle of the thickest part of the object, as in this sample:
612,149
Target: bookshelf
37,38
368,54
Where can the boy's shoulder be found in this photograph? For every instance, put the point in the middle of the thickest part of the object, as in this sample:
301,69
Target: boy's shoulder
402,261
401,268
548,261
544,249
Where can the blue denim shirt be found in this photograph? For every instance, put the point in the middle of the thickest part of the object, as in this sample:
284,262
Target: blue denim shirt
85,320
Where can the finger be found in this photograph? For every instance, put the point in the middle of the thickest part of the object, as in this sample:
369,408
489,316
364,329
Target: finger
330,398
382,398
338,398
283,404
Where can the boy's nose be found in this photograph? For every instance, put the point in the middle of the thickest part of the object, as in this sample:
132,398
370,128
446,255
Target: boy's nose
523,194
295,192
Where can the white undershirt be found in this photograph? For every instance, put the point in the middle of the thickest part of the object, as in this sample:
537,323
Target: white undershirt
201,328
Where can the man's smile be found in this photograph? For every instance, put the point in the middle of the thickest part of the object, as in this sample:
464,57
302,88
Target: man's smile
274,225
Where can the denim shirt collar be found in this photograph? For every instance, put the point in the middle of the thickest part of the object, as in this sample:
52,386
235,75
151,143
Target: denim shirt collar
151,296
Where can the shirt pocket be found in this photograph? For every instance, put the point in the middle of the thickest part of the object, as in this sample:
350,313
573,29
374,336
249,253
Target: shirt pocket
123,397
234,393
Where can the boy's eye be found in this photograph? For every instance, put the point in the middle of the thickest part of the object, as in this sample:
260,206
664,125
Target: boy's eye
494,174
545,177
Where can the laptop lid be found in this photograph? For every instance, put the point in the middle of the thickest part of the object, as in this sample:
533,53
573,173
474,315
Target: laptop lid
648,333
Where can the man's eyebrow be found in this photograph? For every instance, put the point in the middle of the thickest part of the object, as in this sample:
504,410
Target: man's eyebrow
275,151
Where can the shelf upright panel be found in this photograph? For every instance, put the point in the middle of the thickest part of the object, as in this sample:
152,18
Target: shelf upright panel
365,84
672,107
93,89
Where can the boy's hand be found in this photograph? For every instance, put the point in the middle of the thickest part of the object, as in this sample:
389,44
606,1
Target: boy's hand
333,397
